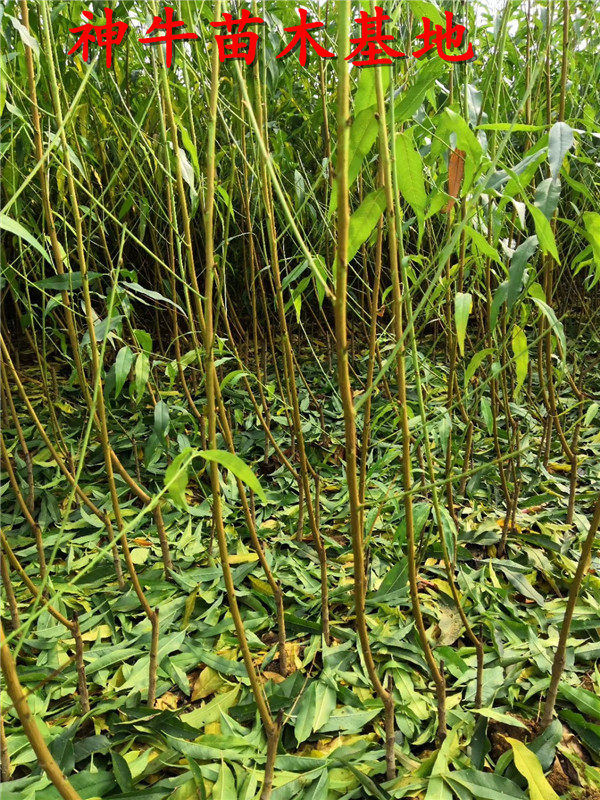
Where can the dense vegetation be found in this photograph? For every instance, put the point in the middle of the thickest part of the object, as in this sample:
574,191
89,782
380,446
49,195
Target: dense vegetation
301,390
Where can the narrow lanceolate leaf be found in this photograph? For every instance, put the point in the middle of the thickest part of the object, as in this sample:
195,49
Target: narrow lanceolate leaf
544,232
69,281
555,324
239,468
482,244
409,102
591,220
486,785
547,196
141,375
475,362
121,771
306,714
560,141
583,700
123,364
498,300
161,419
437,788
224,788
136,290
409,174
363,221
325,698
591,413
521,356
176,477
530,768
463,302
517,268
12,226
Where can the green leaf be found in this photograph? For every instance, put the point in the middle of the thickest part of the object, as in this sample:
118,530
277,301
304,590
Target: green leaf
486,413
409,102
463,303
484,785
530,768
437,788
102,328
409,174
498,716
161,419
27,38
305,714
482,244
474,364
543,228
588,732
189,145
544,745
365,95
555,324
319,788
176,477
70,280
121,771
135,290
498,299
123,364
12,226
325,699
591,413
423,8
239,468
591,220
369,784
364,220
141,374
584,701
144,340
521,356
560,141
544,232
517,266
212,711
547,195
509,126
449,532
224,788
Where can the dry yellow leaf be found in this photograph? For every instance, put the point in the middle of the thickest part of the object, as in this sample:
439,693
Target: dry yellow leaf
242,558
213,728
169,700
208,682
273,676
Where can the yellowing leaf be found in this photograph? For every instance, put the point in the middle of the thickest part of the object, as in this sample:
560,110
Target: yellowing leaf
521,355
262,586
208,682
463,302
530,768
242,558
276,677
554,467
169,700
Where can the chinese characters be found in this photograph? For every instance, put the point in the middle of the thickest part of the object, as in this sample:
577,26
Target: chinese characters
371,47
111,34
